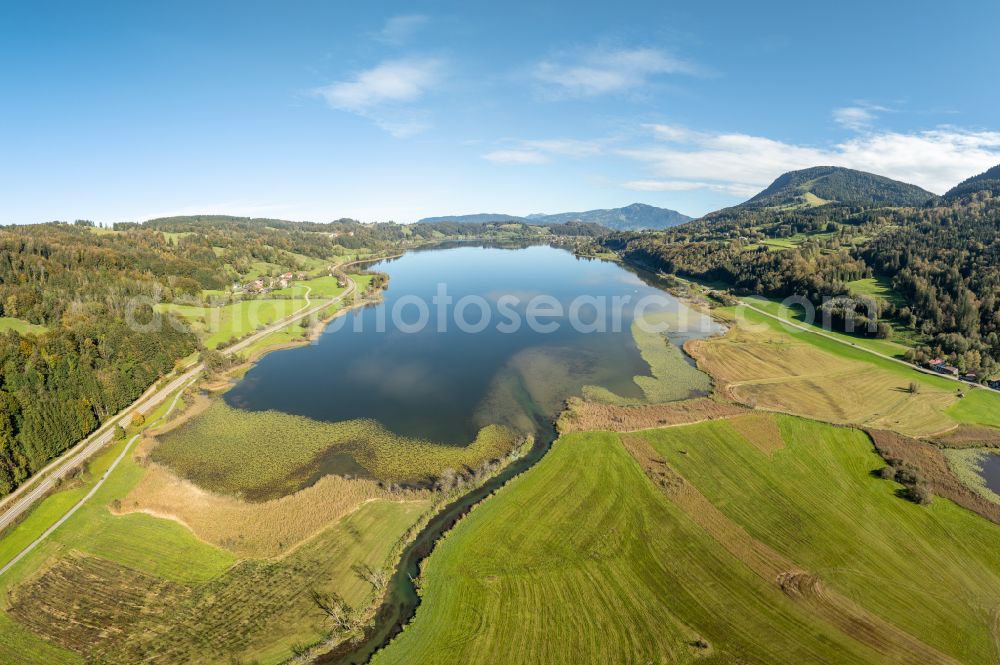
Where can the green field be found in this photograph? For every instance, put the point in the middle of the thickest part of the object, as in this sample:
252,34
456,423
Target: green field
215,325
876,287
583,560
20,325
796,314
794,240
307,447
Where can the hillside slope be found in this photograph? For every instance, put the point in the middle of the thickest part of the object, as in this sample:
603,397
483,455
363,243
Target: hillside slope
988,181
827,184
635,217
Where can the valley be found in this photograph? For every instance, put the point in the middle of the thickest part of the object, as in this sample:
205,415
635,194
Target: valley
481,443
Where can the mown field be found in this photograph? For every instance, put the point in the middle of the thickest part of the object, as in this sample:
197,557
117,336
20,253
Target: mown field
762,364
215,325
308,447
788,552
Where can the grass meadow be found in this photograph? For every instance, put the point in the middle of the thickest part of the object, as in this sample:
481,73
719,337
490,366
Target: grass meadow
895,348
584,559
215,325
21,326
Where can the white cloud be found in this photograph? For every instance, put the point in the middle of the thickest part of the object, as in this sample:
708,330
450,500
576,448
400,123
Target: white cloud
566,147
853,117
859,117
516,157
541,151
403,129
398,29
384,92
392,81
935,159
603,71
688,186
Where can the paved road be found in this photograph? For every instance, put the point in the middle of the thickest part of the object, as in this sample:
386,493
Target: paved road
21,500
813,331
79,504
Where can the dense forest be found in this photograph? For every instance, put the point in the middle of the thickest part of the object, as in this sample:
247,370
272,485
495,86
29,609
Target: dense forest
942,259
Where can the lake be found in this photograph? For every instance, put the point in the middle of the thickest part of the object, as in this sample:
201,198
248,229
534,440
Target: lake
469,336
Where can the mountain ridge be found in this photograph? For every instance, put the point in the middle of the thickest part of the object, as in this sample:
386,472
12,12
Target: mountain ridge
633,217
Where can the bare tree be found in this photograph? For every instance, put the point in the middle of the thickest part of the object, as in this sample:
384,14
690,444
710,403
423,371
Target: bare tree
377,577
336,609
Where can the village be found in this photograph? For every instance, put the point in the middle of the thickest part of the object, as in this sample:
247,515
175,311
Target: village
266,284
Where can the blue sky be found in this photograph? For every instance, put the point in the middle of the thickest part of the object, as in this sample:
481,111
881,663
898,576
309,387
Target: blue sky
117,111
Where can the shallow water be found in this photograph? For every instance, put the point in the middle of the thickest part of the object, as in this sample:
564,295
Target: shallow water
991,471
443,383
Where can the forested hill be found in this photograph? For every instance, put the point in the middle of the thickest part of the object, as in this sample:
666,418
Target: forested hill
941,259
635,217
831,184
988,181
477,218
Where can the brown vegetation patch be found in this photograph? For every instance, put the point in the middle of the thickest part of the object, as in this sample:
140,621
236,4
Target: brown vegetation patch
761,430
969,436
117,599
774,371
584,416
261,529
801,586
934,470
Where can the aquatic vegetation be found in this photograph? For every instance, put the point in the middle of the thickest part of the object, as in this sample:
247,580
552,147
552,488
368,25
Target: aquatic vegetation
671,377
967,465
260,455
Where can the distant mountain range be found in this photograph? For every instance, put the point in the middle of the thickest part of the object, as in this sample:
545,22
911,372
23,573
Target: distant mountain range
635,217
820,185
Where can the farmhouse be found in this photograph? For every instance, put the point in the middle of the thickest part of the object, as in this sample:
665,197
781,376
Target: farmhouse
950,370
